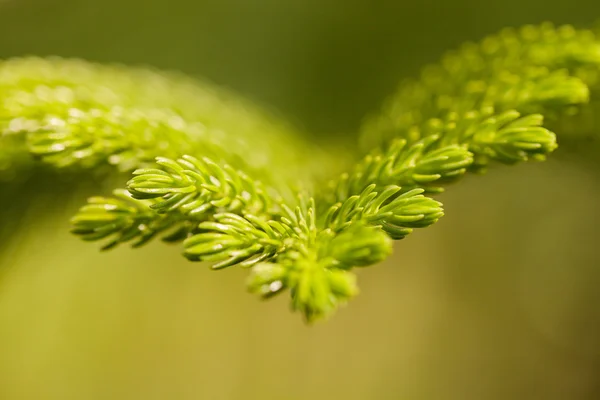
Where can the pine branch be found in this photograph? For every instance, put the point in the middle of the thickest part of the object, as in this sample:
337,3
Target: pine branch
239,188
79,114
122,219
447,150
396,211
537,69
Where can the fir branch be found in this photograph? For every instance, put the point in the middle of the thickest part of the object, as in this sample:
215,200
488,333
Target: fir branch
75,113
183,193
447,150
199,188
240,188
396,215
122,219
537,69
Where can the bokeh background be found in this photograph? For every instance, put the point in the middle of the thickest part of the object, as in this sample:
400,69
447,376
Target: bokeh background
500,300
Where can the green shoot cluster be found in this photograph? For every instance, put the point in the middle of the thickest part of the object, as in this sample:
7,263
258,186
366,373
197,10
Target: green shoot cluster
238,187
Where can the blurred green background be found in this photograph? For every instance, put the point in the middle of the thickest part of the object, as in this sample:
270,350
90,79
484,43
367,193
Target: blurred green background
500,300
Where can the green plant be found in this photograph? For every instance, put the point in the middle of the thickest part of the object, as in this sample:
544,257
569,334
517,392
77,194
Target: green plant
238,187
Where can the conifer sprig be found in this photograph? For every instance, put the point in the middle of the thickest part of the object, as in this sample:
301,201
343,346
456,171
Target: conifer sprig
239,188
122,219
448,148
536,69
75,113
